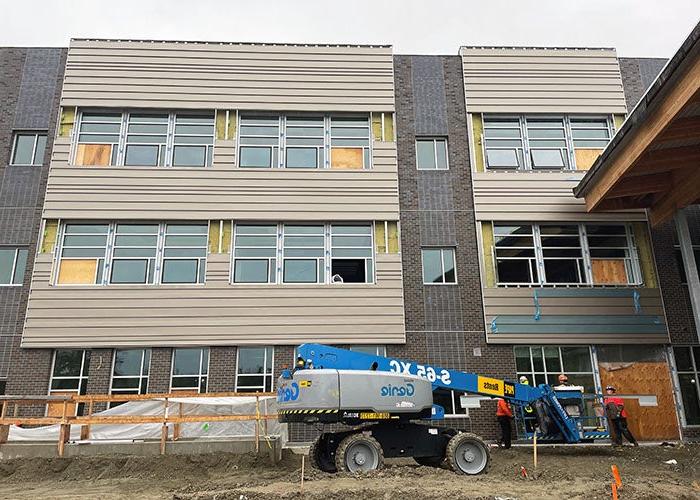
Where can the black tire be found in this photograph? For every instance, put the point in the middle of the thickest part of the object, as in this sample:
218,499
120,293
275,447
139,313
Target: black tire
429,461
468,454
359,453
320,458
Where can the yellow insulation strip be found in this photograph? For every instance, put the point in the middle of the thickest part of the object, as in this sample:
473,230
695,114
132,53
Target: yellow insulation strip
67,121
487,243
380,236
221,124
478,129
389,127
231,125
646,257
49,238
393,236
377,126
226,240
214,233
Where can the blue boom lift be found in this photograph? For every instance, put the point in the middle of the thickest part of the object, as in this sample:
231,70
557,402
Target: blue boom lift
387,407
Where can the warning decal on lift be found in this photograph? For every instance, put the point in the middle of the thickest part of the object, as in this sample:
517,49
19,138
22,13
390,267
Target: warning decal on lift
495,386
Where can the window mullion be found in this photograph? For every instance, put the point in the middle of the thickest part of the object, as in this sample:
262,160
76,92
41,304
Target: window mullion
282,143
327,141
327,254
525,142
539,256
569,143
587,263
635,264
158,272
109,254
121,147
279,265
170,141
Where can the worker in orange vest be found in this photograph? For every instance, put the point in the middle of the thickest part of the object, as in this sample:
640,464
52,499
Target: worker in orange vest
504,415
615,408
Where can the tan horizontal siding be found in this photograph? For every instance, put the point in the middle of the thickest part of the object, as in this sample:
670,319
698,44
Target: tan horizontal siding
214,314
222,191
518,80
534,197
215,76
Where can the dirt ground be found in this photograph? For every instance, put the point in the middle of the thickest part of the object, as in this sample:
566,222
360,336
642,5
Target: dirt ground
564,472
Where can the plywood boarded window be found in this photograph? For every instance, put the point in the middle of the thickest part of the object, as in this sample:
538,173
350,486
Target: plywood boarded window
590,135
82,255
98,139
586,157
613,258
350,139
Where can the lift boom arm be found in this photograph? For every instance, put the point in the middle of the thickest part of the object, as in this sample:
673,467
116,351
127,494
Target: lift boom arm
323,356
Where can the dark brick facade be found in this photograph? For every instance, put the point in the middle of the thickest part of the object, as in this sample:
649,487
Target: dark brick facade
444,323
30,85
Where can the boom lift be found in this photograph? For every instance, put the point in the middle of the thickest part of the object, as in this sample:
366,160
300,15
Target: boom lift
384,400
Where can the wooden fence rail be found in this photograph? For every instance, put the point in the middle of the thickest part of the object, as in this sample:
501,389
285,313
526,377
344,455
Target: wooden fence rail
66,419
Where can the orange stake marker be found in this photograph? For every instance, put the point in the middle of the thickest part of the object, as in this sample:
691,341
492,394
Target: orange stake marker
613,485
616,476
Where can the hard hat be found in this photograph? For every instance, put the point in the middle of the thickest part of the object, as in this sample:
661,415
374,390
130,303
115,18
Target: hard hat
523,379
610,388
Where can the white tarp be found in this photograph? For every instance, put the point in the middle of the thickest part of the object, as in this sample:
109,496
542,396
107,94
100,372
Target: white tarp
190,406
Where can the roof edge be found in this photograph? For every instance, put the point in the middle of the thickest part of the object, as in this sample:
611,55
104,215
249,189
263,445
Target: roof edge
210,42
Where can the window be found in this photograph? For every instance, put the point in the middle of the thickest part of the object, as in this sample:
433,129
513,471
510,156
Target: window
13,262
255,252
145,139
565,254
543,364
544,142
687,361
503,142
431,154
134,254
374,350
148,253
185,253
562,255
28,148
439,265
281,141
547,143
190,370
450,401
130,371
296,253
351,254
82,253
304,253
70,371
514,248
254,369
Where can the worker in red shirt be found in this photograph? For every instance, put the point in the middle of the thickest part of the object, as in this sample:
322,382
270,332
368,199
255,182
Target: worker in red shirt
504,415
617,416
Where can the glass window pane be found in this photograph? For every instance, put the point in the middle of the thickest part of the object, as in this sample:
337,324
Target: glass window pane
129,271
186,361
7,261
128,361
547,158
187,229
551,359
576,359
522,359
689,393
141,155
189,156
67,363
251,271
180,271
20,266
562,271
40,150
300,271
502,158
513,271
349,270
684,362
185,383
65,384
126,383
432,266
24,147
441,151
302,158
251,360
448,258
537,360
425,154
255,157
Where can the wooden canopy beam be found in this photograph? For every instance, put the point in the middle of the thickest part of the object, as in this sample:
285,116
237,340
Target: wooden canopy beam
634,186
684,192
685,89
681,129
664,160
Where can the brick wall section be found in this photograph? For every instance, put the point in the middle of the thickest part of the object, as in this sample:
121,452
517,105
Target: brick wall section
444,323
30,86
159,376
222,369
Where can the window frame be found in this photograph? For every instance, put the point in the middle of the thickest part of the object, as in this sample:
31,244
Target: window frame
694,371
680,263
119,148
326,278
442,264
15,260
571,123
103,273
200,376
434,140
265,375
36,134
380,349
282,146
632,262
145,353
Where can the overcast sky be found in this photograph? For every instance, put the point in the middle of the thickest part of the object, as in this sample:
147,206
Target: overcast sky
637,28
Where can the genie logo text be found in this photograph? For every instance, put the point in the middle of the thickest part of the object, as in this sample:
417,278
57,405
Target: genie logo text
290,393
397,390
